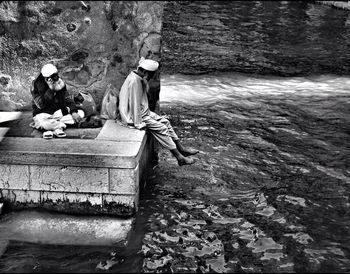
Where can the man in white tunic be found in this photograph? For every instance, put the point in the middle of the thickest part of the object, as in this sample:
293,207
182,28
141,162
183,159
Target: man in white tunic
134,111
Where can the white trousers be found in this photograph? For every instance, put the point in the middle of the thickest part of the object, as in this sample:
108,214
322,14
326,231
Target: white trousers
54,121
161,129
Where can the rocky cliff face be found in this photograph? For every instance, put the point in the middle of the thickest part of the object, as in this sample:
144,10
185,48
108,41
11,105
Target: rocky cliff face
93,43
287,38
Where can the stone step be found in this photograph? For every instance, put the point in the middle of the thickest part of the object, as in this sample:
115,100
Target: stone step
113,131
61,229
71,152
9,115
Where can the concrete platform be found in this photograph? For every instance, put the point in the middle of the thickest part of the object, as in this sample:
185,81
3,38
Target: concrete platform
9,115
62,229
6,116
81,176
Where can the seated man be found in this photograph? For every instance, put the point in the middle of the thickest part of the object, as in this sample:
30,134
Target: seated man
134,111
53,107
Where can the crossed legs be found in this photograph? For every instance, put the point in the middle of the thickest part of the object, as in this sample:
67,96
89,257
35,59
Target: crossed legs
54,122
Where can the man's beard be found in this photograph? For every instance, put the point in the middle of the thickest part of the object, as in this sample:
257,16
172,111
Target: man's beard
58,85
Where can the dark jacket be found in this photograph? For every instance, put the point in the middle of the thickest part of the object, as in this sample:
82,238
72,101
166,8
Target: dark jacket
48,101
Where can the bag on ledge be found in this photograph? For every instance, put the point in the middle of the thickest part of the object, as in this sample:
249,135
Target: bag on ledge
109,106
84,100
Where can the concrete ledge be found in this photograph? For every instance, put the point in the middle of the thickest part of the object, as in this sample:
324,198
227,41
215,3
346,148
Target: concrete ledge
71,152
9,115
112,131
88,176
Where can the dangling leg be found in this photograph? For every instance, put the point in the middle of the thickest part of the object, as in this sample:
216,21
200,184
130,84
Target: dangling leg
47,122
154,151
181,160
185,151
161,134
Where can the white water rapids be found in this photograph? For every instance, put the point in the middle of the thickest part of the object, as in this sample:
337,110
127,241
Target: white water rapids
208,89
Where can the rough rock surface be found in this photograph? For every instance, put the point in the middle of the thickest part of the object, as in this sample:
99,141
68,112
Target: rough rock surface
93,44
286,38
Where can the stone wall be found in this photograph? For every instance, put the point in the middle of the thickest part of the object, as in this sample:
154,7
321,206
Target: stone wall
82,176
93,43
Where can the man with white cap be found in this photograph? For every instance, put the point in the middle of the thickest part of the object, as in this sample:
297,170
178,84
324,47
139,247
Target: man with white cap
52,105
134,111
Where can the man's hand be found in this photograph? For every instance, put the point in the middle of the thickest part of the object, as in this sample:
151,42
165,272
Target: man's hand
50,83
58,85
76,117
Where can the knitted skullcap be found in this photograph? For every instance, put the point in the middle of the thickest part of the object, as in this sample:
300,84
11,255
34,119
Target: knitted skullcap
48,70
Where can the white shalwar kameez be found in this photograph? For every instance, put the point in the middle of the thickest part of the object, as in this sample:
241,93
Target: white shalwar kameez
134,110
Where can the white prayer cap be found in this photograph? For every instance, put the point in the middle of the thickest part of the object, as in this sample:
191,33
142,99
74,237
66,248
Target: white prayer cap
48,70
148,64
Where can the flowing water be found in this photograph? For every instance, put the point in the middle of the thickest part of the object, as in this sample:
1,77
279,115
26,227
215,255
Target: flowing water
269,191
286,38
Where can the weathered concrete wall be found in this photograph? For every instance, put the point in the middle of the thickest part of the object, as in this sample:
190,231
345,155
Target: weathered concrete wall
99,176
93,44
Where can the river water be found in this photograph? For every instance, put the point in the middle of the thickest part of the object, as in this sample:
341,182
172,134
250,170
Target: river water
286,38
269,191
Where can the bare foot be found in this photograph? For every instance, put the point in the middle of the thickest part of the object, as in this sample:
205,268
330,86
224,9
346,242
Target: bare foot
186,161
188,152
